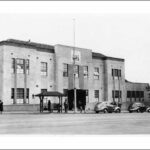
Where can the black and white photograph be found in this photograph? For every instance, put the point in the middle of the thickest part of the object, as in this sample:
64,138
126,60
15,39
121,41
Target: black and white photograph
75,69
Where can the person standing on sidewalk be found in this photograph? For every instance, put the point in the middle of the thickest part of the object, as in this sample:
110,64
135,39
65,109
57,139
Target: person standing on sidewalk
49,106
1,106
66,106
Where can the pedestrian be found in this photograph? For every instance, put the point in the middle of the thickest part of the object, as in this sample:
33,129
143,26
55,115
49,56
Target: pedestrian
1,106
59,107
49,106
80,106
66,106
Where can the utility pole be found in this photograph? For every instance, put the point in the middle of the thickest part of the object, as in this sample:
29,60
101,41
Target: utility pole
74,61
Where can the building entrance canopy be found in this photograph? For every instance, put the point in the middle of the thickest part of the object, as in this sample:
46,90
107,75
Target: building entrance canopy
51,94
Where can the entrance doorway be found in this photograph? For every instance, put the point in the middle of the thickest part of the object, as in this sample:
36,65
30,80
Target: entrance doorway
81,98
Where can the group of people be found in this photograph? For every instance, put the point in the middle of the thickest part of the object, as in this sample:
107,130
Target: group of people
58,107
66,107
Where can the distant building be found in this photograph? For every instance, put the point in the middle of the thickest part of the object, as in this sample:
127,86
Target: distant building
27,68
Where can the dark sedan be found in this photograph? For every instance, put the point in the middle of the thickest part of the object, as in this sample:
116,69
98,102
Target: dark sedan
138,107
106,107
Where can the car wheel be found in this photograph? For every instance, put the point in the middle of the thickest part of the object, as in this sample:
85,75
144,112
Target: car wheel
105,110
138,110
130,111
118,111
148,111
97,112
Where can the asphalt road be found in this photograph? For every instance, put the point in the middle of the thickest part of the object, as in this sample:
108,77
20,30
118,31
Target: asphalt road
80,124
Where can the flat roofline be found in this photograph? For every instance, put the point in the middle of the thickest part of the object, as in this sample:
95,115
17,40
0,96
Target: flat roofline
135,82
103,57
50,48
28,44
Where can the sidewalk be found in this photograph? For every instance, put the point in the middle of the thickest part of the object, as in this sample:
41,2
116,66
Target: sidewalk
55,112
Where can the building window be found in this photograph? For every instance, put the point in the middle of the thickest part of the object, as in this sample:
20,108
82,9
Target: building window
119,73
27,93
76,71
85,71
137,94
65,70
96,73
20,93
116,94
133,94
12,93
20,66
43,69
142,94
96,94
43,90
13,65
65,92
116,72
129,94
27,66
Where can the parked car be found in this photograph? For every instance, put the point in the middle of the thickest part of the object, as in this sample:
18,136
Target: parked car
138,107
106,107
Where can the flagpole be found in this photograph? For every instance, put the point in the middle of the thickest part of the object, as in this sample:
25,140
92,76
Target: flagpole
74,78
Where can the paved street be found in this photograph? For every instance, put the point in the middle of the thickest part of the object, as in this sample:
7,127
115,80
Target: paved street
123,123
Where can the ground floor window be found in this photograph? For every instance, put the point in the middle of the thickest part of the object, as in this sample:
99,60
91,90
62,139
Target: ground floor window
96,95
19,95
43,90
116,94
135,95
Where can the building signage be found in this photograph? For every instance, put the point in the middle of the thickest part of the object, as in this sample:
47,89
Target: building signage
76,55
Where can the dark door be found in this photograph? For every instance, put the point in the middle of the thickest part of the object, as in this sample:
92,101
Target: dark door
81,98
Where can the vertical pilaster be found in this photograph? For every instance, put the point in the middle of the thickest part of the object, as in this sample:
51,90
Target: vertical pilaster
25,82
114,89
81,77
15,81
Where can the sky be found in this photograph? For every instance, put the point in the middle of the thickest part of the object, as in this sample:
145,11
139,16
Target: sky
116,29
123,34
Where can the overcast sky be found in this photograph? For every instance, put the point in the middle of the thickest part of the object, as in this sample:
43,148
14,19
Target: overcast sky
123,35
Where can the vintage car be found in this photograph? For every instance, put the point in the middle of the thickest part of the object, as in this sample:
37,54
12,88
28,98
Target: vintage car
107,107
138,107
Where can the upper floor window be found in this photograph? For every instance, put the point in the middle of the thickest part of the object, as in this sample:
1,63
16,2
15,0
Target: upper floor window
20,65
43,69
27,66
65,70
85,71
76,71
96,73
13,65
116,72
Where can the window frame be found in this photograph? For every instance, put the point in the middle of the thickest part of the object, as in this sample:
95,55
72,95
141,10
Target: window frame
76,71
96,73
85,71
65,70
43,69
